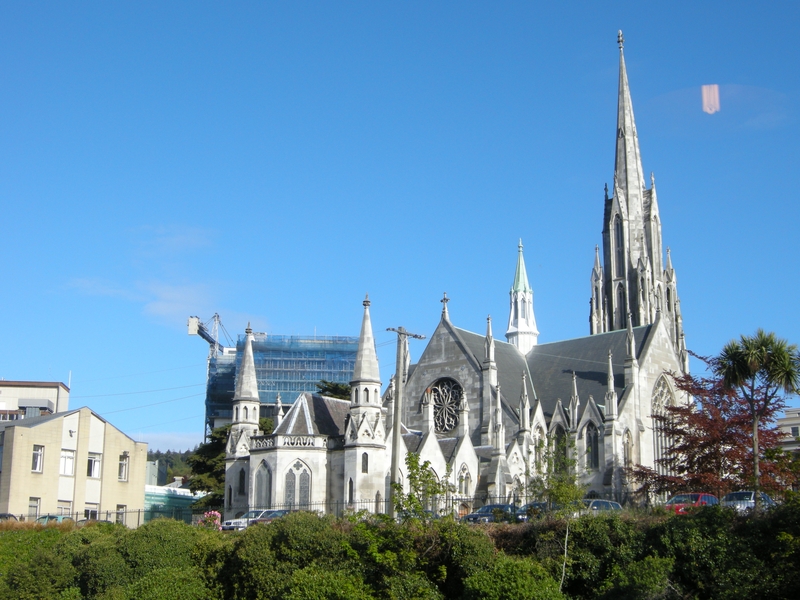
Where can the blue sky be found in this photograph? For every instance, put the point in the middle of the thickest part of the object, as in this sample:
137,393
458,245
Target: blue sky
274,162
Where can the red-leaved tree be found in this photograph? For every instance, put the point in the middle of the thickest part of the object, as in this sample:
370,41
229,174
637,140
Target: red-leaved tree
710,448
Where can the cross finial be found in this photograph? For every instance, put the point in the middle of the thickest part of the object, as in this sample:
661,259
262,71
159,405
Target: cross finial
366,302
444,301
620,39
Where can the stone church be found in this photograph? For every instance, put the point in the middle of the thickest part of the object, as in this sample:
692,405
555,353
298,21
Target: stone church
484,412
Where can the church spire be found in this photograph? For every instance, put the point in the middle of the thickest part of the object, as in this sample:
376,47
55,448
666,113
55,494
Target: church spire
521,331
366,368
488,343
246,403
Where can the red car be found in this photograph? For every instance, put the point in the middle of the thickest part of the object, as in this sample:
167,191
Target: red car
683,503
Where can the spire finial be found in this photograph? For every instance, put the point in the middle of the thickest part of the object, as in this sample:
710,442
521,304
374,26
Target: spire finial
366,302
620,39
605,187
248,330
520,245
444,302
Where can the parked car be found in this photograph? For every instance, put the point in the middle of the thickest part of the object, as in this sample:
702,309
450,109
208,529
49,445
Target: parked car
598,507
530,510
487,514
244,520
683,503
8,517
83,522
269,516
743,501
48,519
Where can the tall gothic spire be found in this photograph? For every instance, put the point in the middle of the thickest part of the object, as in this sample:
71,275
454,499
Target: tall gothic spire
628,160
521,330
366,368
634,283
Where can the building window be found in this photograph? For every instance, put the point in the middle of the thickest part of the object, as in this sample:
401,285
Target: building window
305,489
33,506
64,507
120,516
122,473
365,463
350,492
242,483
290,489
662,398
90,511
795,432
592,447
93,465
67,465
37,464
446,395
263,487
618,247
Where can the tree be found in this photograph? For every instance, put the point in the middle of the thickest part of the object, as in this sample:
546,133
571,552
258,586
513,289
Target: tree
709,441
761,368
333,389
208,468
424,490
208,464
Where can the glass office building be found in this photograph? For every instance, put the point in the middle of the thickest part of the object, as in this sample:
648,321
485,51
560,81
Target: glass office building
285,365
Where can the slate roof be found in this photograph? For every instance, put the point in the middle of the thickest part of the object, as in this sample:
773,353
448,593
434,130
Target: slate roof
448,447
412,441
510,366
552,365
312,414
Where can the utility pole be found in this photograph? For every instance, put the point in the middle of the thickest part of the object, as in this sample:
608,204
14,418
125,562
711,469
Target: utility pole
399,381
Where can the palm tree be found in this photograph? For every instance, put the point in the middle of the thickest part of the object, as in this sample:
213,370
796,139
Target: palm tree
760,368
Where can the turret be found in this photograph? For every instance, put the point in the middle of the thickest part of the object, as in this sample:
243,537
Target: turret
521,331
246,403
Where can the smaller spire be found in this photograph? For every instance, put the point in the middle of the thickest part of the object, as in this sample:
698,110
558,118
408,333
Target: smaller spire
652,180
524,406
620,39
605,187
521,283
669,259
631,341
278,411
366,367
444,301
597,266
611,392
488,345
463,416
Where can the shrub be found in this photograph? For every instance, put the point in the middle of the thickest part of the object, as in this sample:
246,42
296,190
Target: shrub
316,583
170,583
160,544
512,579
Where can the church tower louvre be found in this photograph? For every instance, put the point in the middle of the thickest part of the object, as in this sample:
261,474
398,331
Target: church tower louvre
521,331
633,281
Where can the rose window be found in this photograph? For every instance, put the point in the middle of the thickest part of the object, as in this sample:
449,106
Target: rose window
446,396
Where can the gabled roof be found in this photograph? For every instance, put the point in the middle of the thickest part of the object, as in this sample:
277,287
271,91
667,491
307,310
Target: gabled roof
412,441
448,448
510,366
551,366
312,414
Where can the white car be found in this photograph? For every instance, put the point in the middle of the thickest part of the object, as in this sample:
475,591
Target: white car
741,502
244,520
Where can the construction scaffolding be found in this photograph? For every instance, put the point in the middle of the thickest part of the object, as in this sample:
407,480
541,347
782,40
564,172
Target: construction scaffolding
285,365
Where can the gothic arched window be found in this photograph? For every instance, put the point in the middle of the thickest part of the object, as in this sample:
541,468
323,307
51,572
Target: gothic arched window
560,450
366,395
263,497
378,503
305,489
242,482
350,492
662,398
446,395
627,450
289,493
620,312
592,447
245,413
618,246
365,463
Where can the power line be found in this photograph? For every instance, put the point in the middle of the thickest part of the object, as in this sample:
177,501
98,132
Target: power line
147,373
182,387
111,412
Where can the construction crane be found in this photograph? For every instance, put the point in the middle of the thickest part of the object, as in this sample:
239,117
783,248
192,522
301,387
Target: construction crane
197,327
